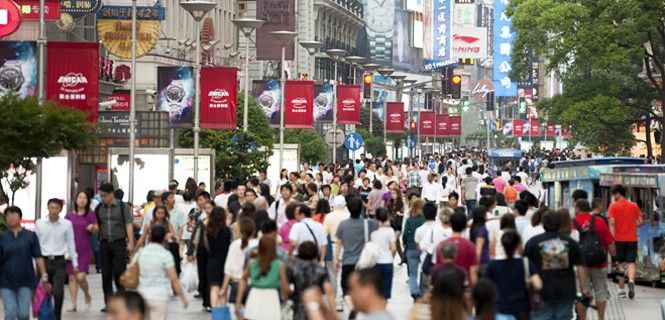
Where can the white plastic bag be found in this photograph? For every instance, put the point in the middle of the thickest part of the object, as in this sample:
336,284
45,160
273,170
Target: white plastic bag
190,276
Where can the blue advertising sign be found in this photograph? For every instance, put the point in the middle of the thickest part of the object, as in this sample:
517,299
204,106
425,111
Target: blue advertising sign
504,35
411,141
441,30
353,141
125,13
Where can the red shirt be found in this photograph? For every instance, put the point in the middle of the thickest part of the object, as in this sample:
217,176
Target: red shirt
606,238
625,214
466,253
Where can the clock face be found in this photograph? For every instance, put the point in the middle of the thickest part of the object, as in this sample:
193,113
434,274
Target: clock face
380,17
11,78
175,93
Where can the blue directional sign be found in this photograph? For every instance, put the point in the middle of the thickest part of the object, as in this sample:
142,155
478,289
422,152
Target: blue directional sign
353,141
411,141
492,126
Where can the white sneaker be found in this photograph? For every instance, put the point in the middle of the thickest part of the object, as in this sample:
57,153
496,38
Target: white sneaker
622,295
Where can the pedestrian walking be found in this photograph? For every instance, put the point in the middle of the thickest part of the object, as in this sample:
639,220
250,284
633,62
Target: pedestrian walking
196,249
307,230
218,238
84,222
306,272
385,239
413,222
236,259
395,207
625,217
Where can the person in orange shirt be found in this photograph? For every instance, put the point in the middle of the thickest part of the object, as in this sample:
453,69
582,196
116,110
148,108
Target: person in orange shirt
510,192
625,217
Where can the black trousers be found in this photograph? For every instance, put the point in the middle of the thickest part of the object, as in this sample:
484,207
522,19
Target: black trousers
174,248
202,266
57,273
114,262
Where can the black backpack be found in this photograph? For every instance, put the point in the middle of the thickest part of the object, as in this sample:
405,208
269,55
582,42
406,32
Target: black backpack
592,249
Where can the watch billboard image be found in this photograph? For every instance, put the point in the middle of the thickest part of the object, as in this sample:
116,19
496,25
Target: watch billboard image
267,93
323,102
18,68
176,94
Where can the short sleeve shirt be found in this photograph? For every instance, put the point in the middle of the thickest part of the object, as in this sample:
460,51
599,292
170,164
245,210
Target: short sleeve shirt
352,234
383,237
16,254
153,261
466,253
606,238
625,214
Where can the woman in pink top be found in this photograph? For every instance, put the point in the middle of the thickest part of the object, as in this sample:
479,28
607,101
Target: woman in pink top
290,212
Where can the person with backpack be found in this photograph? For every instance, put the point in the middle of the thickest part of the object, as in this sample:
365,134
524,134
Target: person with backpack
595,241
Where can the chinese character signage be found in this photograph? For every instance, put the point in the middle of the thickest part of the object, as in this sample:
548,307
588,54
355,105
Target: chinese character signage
125,13
114,28
395,113
72,75
218,98
298,104
427,123
18,68
30,10
79,8
268,94
464,14
122,100
348,104
455,125
441,30
503,45
175,94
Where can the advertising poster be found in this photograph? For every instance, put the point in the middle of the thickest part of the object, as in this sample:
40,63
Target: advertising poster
404,55
72,75
18,68
442,125
268,94
503,46
175,94
535,129
441,30
298,103
323,103
551,130
455,126
427,30
395,112
122,100
219,92
518,127
278,15
348,104
469,42
427,124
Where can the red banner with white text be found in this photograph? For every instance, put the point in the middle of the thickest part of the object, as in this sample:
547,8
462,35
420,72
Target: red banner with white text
72,73
535,129
442,125
455,126
427,124
348,104
219,92
298,102
518,127
551,130
395,117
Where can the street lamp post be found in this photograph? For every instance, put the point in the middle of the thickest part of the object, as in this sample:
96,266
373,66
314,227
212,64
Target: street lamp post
284,37
355,61
336,55
385,72
409,83
312,48
246,26
371,67
198,9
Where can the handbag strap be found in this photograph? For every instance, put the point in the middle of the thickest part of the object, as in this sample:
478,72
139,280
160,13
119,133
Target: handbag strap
366,229
312,233
525,263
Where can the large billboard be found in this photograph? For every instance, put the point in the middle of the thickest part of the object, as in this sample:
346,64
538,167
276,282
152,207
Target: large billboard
503,45
175,86
278,15
441,30
269,96
469,42
18,68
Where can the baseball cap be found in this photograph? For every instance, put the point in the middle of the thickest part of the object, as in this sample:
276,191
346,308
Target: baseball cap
339,202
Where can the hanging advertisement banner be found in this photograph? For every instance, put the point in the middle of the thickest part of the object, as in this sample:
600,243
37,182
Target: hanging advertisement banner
566,131
441,30
18,68
269,96
298,100
30,9
534,128
427,123
278,15
175,94
114,28
219,92
442,125
464,14
323,103
72,72
395,122
469,42
551,130
122,100
348,104
518,127
504,36
455,124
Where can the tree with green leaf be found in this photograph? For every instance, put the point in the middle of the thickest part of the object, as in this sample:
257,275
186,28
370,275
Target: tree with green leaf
373,144
600,45
313,148
30,131
240,157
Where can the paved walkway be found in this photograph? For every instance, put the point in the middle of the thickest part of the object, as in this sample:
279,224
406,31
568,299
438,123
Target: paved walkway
646,306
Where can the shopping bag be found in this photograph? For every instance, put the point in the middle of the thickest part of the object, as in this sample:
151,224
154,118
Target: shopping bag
221,313
46,311
41,293
190,276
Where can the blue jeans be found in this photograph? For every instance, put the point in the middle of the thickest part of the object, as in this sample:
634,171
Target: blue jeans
16,303
413,268
470,205
555,310
387,271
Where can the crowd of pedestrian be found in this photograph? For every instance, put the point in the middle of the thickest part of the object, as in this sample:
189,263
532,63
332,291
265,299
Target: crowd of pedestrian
477,243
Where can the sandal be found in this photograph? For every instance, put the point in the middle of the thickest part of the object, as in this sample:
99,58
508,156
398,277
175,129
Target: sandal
72,309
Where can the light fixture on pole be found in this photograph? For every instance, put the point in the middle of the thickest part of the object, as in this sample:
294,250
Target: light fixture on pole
198,9
371,68
247,27
284,37
385,72
336,55
355,61
312,48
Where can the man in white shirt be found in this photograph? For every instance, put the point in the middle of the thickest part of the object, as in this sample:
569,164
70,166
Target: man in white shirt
521,220
423,173
276,211
424,239
432,191
56,239
307,230
222,200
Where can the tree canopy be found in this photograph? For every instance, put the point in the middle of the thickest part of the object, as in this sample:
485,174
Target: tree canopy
313,148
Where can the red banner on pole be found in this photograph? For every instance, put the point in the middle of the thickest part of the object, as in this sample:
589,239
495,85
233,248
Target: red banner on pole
455,125
551,130
72,73
298,101
518,127
442,128
395,117
566,132
427,124
535,129
219,94
348,104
